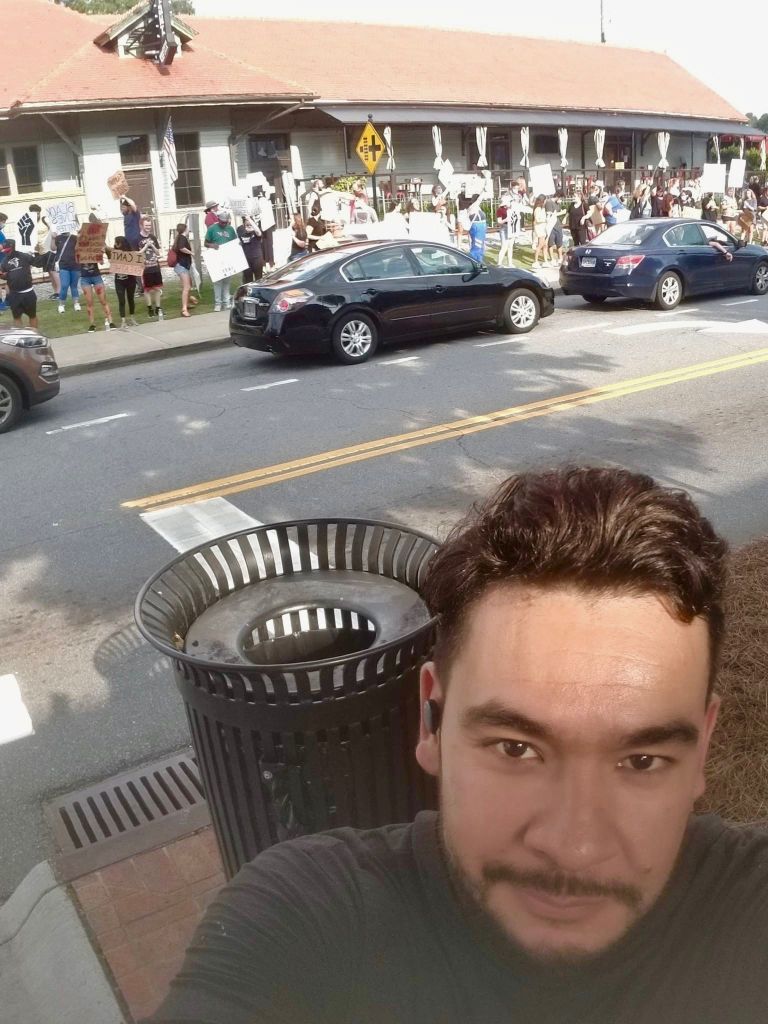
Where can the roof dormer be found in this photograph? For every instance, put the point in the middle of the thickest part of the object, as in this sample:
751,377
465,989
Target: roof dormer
149,31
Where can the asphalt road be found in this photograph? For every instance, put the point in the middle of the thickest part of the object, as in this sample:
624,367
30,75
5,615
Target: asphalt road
680,395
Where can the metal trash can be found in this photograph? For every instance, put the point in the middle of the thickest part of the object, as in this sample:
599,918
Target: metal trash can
296,648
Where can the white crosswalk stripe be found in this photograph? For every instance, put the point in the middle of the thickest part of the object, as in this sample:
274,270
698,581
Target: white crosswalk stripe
15,721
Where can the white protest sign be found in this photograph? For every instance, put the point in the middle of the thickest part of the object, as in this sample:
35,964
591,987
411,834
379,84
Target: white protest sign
736,173
62,216
329,206
445,174
394,225
226,261
542,182
239,202
428,227
712,178
122,262
266,214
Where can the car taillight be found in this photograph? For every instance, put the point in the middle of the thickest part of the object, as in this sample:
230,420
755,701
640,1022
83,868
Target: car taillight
626,264
286,301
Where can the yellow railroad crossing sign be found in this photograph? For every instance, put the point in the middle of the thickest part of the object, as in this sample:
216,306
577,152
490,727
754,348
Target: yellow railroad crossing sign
370,148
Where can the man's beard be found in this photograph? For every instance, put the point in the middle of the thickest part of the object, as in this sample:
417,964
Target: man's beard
473,897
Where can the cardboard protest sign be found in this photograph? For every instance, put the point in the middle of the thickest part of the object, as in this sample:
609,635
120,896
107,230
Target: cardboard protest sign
712,178
226,261
329,206
117,184
62,216
121,262
542,182
736,173
89,247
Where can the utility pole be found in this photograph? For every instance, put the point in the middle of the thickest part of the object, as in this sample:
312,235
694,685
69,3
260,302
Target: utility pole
602,28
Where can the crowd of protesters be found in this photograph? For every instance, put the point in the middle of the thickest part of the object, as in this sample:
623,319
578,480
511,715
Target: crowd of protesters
588,210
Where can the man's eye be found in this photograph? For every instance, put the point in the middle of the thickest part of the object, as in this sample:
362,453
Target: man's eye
516,749
645,762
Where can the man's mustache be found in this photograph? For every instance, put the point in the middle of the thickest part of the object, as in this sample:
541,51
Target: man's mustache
559,884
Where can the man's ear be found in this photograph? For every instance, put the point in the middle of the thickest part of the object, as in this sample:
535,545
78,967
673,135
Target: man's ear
428,747
710,720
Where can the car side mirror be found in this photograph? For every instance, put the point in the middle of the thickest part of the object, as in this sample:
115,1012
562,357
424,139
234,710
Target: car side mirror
740,243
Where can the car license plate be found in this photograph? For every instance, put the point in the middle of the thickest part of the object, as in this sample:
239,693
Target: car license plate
249,308
588,261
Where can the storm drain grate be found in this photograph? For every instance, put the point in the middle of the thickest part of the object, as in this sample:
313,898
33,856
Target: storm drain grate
127,814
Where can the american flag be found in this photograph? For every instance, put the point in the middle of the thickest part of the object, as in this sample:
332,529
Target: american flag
169,149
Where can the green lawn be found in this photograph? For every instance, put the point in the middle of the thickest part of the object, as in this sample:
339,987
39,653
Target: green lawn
58,325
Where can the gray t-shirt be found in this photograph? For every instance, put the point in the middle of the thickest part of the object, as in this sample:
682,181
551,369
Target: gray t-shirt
363,927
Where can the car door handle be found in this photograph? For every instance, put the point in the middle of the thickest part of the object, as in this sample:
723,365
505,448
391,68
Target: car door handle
439,289
371,291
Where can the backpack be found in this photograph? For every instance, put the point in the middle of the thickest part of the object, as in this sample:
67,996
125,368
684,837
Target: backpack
172,258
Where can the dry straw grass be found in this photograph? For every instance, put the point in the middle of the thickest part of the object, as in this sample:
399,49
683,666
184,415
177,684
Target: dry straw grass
737,785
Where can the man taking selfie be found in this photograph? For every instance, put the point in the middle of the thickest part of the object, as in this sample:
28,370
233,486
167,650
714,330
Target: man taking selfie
567,714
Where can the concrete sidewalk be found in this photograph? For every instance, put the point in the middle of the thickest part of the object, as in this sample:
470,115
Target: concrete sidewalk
81,353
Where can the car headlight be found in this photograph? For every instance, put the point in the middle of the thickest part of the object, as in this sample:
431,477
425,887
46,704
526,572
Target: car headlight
289,300
25,340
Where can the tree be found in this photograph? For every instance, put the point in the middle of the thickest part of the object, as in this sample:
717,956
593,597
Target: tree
761,122
122,6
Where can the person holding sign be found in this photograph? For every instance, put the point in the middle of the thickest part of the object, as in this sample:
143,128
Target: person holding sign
92,282
125,286
219,234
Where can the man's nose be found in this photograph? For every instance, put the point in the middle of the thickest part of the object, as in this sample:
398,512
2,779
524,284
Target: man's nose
573,826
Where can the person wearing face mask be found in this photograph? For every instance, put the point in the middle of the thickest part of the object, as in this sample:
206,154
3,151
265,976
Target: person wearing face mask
219,234
152,278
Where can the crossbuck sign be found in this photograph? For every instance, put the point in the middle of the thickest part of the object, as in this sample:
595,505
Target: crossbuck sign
370,148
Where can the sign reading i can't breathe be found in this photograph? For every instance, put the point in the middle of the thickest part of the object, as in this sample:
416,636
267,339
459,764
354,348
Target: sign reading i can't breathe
370,148
122,262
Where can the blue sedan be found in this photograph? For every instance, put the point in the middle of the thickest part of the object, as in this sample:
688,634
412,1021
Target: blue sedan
663,261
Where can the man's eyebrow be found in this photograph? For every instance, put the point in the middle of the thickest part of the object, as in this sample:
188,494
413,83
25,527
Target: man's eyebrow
497,715
678,731
494,714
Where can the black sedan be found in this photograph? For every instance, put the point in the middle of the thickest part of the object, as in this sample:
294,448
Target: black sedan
663,261
350,299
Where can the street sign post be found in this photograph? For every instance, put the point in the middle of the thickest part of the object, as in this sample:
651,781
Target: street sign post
370,148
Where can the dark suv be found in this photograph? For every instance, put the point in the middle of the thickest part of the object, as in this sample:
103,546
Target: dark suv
28,373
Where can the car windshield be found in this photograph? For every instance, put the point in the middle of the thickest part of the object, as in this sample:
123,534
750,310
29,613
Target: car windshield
302,269
625,234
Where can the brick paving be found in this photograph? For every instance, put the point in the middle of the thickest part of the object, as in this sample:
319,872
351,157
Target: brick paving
143,911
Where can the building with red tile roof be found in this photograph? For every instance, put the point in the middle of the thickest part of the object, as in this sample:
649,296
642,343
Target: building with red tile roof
253,97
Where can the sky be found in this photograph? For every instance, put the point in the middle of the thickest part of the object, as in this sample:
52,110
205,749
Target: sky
685,35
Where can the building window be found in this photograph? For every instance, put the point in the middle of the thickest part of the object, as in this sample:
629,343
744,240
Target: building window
497,151
545,144
134,149
189,184
26,169
264,148
5,185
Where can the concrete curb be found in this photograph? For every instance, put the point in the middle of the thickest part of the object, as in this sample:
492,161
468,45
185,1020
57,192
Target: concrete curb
48,968
129,358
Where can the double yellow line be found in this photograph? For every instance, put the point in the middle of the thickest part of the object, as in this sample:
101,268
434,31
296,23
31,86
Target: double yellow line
284,471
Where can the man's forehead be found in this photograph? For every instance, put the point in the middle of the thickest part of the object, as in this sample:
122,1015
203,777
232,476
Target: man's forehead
564,639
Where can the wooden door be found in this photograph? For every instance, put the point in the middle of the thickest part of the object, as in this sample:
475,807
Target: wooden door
140,188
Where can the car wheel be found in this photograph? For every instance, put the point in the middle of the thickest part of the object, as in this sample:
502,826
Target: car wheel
355,338
669,291
11,404
594,300
760,280
521,311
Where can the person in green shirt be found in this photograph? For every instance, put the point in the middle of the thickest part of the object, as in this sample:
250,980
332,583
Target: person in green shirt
219,234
